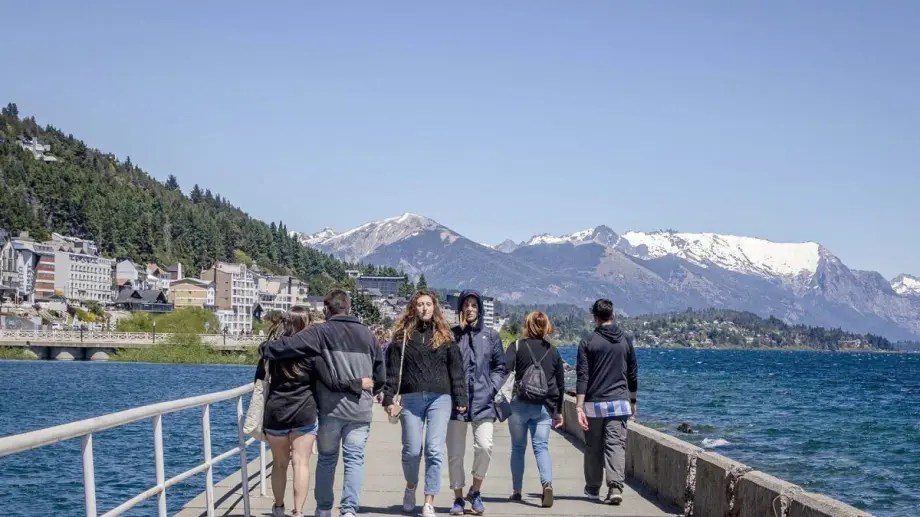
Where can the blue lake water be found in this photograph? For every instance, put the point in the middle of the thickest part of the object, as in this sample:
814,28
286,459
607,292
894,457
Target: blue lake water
847,425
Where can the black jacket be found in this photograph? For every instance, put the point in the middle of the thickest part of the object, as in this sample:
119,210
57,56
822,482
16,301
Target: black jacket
518,358
425,369
606,368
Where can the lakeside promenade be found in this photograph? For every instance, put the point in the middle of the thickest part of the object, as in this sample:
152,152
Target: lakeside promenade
384,484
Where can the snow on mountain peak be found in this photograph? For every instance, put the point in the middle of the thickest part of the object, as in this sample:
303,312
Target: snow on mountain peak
741,254
906,285
359,242
601,235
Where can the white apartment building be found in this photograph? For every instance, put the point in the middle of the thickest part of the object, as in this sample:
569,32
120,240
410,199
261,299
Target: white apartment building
235,295
281,293
83,277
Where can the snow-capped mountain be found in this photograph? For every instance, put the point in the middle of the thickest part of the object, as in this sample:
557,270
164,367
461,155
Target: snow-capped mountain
906,285
643,272
314,238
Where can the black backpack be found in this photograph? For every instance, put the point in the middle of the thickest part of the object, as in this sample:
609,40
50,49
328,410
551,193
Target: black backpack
533,386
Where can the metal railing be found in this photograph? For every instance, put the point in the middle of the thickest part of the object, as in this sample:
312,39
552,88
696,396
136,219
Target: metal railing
112,337
84,429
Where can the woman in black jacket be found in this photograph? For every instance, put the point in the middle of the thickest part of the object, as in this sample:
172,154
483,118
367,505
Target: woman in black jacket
425,369
534,407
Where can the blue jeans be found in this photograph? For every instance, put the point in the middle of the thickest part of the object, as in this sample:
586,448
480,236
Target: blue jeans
420,409
536,419
352,436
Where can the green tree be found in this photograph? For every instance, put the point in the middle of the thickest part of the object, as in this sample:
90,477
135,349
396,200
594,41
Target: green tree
172,183
407,289
196,196
422,283
363,307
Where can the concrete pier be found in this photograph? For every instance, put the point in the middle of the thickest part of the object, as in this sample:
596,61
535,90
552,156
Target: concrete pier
666,476
384,484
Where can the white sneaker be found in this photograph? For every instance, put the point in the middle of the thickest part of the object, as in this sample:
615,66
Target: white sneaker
277,511
409,503
428,511
348,514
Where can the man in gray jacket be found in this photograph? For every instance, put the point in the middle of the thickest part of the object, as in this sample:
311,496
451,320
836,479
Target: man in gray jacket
350,351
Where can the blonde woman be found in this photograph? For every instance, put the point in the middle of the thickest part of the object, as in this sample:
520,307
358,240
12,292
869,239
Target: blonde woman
425,369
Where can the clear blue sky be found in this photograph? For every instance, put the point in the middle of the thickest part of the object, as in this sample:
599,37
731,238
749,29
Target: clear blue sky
787,120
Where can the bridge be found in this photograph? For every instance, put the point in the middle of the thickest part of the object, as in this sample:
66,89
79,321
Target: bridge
93,345
666,476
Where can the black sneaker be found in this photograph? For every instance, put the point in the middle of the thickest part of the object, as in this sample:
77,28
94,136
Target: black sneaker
614,494
516,497
547,501
593,493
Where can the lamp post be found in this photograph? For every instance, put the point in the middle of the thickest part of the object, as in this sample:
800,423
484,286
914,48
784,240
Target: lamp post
154,332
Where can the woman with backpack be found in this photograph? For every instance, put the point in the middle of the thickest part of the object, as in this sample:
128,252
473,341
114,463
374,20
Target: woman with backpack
536,405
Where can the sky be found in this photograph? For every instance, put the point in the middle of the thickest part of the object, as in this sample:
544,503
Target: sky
787,120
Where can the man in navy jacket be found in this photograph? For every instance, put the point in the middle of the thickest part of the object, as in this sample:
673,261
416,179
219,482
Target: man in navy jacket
484,360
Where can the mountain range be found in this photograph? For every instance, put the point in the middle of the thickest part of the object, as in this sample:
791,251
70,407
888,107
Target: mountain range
643,272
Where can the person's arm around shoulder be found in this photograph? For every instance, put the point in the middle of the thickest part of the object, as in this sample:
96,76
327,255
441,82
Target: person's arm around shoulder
303,344
457,373
581,382
321,371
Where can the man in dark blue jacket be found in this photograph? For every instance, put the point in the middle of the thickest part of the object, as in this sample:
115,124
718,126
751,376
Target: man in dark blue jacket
484,360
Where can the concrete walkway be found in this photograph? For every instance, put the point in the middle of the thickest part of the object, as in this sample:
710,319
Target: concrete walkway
384,484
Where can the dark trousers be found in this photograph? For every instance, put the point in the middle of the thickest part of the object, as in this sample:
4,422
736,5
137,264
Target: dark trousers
605,451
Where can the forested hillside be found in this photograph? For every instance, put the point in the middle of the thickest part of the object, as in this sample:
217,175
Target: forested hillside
92,194
703,328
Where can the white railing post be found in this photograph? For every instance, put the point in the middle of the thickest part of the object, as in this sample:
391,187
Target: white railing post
262,468
209,473
244,471
159,464
89,476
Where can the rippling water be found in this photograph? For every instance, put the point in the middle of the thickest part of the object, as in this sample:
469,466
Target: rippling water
846,425
842,424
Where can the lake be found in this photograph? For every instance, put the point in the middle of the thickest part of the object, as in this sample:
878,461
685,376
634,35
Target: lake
846,425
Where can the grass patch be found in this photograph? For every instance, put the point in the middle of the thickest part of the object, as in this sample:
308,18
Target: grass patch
15,353
184,349
191,320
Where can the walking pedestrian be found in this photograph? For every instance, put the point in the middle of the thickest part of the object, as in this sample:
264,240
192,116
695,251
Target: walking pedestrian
607,381
349,351
425,383
536,405
484,364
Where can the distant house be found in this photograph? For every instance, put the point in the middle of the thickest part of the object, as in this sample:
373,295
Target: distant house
39,151
192,292
148,300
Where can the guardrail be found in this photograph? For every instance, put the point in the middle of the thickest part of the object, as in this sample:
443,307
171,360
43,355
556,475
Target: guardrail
109,337
84,429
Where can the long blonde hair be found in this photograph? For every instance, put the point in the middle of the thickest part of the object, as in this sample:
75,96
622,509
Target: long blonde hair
410,320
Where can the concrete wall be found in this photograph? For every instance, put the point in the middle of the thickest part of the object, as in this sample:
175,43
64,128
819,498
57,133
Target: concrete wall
707,484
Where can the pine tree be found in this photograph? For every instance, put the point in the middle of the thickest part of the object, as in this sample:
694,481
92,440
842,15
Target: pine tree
422,283
172,183
196,194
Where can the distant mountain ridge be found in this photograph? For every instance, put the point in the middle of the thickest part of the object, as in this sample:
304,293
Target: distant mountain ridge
643,272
